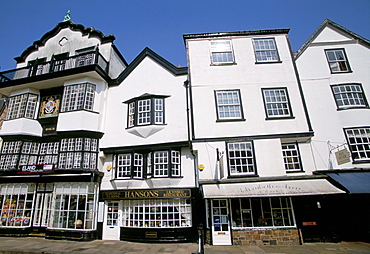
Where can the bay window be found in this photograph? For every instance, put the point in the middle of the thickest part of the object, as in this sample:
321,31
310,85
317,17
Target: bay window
22,106
78,97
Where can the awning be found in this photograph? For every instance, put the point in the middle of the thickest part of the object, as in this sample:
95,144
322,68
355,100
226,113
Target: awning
354,182
270,189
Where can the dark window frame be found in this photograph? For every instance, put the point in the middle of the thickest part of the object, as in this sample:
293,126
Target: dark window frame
351,145
252,150
298,156
241,118
351,106
276,50
219,52
289,106
346,60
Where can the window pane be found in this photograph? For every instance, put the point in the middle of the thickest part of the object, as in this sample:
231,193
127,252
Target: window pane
265,50
349,95
277,104
228,105
241,159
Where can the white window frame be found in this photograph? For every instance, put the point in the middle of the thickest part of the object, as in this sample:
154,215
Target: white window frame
349,96
22,106
291,156
241,158
78,97
277,104
359,143
157,213
221,52
265,50
228,105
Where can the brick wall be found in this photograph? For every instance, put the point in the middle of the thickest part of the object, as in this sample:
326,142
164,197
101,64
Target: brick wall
266,237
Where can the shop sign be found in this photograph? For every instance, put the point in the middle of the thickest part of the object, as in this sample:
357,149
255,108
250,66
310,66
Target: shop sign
145,194
342,156
309,223
46,168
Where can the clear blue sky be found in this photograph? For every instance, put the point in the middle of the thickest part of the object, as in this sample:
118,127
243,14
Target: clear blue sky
160,24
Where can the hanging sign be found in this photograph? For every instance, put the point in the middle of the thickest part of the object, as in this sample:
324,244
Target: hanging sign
342,156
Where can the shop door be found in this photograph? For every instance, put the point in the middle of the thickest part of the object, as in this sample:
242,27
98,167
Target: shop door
41,209
111,228
221,232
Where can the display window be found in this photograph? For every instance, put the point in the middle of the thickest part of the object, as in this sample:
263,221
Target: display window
157,213
74,206
262,212
16,204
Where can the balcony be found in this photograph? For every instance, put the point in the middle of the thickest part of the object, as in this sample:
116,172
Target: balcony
60,66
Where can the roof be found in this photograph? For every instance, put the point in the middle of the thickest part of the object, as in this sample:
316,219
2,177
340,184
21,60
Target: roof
147,52
335,26
90,32
236,33
354,182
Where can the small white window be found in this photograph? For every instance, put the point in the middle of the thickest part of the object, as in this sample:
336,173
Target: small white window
221,52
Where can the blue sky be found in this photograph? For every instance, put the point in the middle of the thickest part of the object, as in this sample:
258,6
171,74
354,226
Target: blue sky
160,24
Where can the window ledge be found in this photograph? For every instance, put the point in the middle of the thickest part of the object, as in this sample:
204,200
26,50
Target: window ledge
280,118
242,176
294,171
356,107
361,161
230,120
79,110
269,62
341,72
221,64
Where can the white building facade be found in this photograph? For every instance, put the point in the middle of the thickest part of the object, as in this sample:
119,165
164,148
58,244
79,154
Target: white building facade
334,66
251,135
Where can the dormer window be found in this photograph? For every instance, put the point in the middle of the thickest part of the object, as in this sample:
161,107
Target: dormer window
146,110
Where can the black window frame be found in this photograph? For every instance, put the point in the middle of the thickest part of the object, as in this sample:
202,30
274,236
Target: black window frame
135,102
148,164
300,169
350,106
346,60
354,153
289,106
241,118
84,105
219,52
267,61
229,164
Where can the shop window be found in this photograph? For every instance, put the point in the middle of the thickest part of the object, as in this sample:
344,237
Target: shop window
16,204
74,206
22,106
262,212
78,97
158,213
153,164
241,158
78,153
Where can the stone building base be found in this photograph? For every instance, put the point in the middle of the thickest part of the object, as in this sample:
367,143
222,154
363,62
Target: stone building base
266,237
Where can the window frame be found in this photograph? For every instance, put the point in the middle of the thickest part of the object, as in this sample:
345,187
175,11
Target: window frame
286,157
150,116
252,158
256,51
148,163
26,106
363,144
79,98
287,102
214,51
358,93
240,105
345,60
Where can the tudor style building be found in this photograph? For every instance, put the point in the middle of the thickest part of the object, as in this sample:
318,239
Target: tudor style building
251,135
49,177
337,90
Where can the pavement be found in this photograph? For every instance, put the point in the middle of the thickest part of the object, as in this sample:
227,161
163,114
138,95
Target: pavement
33,245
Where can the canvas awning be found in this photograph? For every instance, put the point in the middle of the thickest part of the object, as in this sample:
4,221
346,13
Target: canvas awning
354,182
270,189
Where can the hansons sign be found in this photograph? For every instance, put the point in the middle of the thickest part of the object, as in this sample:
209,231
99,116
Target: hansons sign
145,194
46,168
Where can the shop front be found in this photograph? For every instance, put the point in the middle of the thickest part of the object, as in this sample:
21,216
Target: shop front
149,215
53,206
258,213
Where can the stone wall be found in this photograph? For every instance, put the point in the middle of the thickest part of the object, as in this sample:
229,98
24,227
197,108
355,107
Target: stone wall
266,237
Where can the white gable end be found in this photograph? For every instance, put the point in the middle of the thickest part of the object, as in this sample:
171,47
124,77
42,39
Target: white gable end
330,35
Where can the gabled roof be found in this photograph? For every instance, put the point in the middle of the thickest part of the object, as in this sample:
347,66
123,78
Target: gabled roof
147,52
335,26
90,32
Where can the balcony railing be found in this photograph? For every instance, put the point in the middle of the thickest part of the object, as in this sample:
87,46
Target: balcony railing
90,58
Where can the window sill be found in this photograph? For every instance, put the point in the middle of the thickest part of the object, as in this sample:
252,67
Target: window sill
340,72
294,171
269,62
355,107
242,176
221,64
77,110
230,120
280,118
361,161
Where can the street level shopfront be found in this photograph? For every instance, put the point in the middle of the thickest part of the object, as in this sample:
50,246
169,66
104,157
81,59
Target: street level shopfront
149,215
58,206
253,213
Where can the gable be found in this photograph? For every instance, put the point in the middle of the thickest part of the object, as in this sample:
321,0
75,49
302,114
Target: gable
330,35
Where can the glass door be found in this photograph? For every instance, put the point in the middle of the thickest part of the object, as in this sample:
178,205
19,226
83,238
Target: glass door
111,228
221,232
